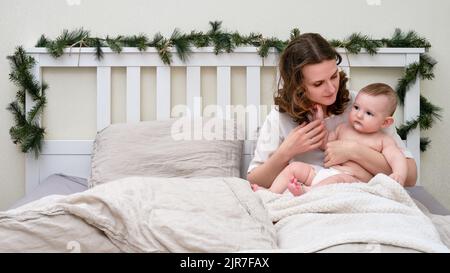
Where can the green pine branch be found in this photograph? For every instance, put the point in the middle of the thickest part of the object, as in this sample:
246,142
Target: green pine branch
424,143
294,33
267,44
26,132
18,112
221,40
37,109
408,39
163,46
429,113
21,65
182,44
116,44
42,42
67,39
356,42
199,39
423,68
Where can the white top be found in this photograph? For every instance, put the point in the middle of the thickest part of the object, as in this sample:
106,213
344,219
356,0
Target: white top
278,125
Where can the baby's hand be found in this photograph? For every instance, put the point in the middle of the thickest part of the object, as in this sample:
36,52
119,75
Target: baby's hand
399,178
318,115
318,112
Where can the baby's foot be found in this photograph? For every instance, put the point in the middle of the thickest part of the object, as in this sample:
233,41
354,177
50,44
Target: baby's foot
295,187
255,187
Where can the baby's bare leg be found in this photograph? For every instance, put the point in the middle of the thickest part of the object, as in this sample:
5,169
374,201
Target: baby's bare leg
299,170
338,178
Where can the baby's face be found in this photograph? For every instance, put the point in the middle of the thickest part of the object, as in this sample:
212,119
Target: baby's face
368,113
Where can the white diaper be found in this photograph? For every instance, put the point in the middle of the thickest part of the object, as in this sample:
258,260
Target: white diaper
323,173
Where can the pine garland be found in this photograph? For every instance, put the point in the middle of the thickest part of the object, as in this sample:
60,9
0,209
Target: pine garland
424,68
428,115
29,135
27,132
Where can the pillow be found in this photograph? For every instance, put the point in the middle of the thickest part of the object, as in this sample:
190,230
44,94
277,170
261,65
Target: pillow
169,148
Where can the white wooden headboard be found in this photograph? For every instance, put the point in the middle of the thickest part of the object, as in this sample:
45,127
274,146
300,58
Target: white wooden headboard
72,157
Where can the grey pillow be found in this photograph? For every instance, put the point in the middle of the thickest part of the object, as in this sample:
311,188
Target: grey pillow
154,148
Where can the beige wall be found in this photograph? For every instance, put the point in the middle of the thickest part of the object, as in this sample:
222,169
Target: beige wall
22,22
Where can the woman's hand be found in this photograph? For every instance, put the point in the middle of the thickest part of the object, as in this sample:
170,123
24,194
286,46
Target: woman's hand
303,138
338,152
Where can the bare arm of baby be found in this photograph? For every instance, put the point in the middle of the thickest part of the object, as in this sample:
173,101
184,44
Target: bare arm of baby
396,160
330,136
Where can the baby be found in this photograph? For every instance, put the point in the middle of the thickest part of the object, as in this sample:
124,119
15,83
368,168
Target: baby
372,111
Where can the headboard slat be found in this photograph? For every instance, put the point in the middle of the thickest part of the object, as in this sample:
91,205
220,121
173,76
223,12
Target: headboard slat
193,92
162,92
253,101
133,94
103,97
223,91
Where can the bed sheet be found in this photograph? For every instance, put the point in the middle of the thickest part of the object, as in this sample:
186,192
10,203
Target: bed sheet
59,184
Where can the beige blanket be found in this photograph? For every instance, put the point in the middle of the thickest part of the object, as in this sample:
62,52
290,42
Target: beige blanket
375,214
142,214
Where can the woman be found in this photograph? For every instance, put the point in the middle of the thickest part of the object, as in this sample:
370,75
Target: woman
310,76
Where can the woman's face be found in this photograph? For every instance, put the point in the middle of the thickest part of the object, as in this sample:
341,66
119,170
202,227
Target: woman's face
321,82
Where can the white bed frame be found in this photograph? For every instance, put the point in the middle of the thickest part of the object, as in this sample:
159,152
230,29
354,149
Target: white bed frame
72,157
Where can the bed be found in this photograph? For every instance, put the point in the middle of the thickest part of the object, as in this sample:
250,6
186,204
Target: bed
120,194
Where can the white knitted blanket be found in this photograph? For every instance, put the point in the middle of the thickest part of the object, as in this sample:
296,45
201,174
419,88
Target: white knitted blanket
378,212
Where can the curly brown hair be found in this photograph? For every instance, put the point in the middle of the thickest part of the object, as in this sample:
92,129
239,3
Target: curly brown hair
308,48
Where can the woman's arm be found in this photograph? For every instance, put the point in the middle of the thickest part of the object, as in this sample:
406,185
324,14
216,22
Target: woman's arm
303,138
265,174
374,162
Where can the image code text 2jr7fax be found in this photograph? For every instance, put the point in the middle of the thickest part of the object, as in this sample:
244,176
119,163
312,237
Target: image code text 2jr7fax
227,262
